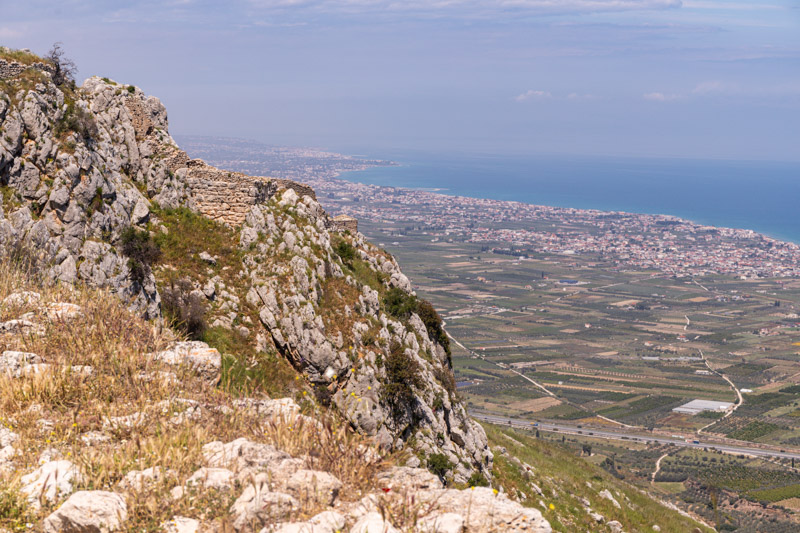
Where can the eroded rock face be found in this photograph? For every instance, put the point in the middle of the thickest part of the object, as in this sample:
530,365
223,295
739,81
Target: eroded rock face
75,196
347,354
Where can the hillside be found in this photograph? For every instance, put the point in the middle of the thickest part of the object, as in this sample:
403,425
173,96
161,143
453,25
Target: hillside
259,365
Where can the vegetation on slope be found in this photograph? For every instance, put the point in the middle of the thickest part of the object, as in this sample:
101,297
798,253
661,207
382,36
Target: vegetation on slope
170,416
564,480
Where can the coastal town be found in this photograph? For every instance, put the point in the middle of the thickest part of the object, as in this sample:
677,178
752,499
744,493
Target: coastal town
624,241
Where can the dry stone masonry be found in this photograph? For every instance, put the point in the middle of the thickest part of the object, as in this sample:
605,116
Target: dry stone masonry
12,69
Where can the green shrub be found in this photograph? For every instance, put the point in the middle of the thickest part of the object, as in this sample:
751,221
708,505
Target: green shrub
346,251
401,305
477,480
402,376
439,464
433,323
78,120
140,249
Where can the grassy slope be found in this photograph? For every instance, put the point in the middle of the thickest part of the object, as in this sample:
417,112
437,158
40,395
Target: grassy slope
54,409
565,478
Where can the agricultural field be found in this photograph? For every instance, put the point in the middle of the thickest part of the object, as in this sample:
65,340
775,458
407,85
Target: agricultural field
627,344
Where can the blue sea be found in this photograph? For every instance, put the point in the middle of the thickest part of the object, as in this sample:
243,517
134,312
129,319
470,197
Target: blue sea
760,195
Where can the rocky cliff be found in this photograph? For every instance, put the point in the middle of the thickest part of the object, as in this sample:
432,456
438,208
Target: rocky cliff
81,166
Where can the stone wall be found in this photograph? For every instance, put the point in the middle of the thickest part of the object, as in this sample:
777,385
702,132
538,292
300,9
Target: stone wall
10,69
225,196
300,188
345,223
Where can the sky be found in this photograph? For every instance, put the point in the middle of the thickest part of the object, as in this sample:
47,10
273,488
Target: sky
667,78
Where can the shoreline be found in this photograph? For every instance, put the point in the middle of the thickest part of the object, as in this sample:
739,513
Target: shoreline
595,210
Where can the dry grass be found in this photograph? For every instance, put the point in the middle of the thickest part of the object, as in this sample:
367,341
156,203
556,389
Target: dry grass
26,58
52,411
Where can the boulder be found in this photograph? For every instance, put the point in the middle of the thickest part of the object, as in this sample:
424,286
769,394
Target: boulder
314,485
181,524
605,493
442,523
13,362
258,506
139,480
410,479
196,355
212,478
373,523
94,511
50,481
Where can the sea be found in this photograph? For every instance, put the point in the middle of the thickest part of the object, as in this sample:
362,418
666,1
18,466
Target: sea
759,195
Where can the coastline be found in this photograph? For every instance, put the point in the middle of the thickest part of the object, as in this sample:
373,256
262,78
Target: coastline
706,205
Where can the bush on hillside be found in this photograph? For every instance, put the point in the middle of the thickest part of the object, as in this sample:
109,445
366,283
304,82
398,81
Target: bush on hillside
184,308
402,376
346,251
402,305
439,464
140,249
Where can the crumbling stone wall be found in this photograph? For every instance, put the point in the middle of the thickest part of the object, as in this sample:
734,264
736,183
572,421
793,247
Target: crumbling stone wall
10,69
345,223
225,196
300,188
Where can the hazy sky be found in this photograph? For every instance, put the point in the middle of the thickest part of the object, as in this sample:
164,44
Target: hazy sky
703,78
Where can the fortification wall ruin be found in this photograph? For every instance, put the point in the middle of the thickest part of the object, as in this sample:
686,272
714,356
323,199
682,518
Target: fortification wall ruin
11,69
226,196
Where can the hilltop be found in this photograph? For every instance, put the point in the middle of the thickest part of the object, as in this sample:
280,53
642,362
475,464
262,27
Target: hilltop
259,365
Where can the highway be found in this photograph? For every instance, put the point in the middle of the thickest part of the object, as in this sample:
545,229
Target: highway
621,434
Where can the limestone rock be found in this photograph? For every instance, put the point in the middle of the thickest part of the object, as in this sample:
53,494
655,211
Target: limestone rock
373,523
614,526
442,523
50,481
314,485
410,479
196,355
7,437
63,311
212,478
329,521
258,506
483,509
12,363
605,493
19,299
181,524
139,480
89,512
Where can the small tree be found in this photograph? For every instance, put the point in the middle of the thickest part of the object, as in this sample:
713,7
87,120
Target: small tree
64,69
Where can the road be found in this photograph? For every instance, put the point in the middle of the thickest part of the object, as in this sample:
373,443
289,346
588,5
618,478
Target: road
618,434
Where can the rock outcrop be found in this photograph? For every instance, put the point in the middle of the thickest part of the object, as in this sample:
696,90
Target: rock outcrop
79,167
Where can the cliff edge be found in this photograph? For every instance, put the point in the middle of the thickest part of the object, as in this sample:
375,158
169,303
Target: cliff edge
81,166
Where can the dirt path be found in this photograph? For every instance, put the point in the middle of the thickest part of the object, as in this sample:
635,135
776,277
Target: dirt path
731,409
658,467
